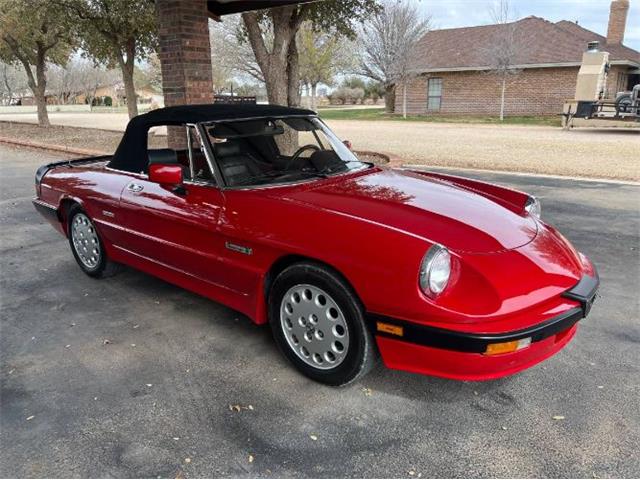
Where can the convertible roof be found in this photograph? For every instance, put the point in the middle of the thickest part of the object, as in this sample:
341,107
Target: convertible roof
206,113
131,154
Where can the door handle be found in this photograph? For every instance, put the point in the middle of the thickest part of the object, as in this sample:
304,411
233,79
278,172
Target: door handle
135,187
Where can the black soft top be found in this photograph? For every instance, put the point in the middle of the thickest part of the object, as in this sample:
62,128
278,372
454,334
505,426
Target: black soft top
131,154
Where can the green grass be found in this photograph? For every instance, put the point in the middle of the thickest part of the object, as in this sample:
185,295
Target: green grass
378,114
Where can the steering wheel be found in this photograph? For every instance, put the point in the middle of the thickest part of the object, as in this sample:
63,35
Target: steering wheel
299,152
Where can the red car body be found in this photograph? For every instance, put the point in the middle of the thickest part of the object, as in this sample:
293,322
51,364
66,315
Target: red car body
513,276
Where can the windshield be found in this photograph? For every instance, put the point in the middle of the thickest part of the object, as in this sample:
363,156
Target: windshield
278,150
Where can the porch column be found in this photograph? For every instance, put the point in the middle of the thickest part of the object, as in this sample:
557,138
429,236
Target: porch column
185,56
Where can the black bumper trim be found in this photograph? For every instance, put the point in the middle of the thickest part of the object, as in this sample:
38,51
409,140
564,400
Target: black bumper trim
46,210
465,342
584,292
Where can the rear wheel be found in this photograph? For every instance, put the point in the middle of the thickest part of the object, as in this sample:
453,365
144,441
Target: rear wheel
86,245
319,325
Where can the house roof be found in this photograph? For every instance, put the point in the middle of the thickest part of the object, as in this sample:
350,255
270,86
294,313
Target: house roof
542,44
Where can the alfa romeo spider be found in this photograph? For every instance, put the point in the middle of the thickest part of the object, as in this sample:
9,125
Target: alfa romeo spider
264,209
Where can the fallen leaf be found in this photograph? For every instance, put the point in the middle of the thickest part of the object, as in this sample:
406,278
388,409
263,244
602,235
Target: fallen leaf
176,438
133,344
250,458
367,392
235,408
106,341
86,294
475,392
67,346
187,460
179,474
600,386
11,371
72,324
136,326
30,417
95,398
157,302
411,473
149,384
250,407
558,417
313,437
504,428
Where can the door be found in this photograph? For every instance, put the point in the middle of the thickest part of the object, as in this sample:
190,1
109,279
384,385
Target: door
177,227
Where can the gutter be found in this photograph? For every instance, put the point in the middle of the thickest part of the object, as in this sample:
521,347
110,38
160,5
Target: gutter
519,67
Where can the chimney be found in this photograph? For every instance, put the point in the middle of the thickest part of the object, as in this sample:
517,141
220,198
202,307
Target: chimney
617,21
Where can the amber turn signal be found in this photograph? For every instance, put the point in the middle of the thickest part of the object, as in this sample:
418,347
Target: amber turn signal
388,328
507,347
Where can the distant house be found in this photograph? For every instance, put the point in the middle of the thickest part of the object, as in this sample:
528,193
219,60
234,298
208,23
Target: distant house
453,67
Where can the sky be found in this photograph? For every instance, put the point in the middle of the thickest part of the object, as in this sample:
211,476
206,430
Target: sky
591,14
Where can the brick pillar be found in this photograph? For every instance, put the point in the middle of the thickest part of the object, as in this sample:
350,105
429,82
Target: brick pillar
185,56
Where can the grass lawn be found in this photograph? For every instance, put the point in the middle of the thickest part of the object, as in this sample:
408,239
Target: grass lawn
378,114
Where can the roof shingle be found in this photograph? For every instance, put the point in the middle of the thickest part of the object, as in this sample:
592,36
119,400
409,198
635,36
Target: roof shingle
539,42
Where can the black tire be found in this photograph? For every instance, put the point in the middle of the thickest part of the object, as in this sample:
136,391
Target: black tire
361,353
104,267
624,103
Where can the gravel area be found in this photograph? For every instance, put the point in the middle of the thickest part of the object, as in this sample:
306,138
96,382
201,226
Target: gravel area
600,153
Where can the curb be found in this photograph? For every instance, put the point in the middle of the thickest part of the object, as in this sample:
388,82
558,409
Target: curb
53,147
523,174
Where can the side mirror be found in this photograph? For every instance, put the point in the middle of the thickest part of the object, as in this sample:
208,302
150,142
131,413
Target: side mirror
347,143
165,174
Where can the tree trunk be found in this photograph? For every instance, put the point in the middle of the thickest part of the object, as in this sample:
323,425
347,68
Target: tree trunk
389,98
39,90
404,100
504,86
293,74
126,66
314,89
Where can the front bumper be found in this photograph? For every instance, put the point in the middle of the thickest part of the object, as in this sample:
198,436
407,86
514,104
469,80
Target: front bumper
454,354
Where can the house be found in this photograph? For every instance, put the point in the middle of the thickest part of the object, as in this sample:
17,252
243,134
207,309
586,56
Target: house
454,74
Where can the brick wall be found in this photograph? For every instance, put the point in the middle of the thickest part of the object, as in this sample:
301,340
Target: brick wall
185,56
536,91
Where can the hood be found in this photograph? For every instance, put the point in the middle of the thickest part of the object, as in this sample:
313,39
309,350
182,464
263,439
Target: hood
432,209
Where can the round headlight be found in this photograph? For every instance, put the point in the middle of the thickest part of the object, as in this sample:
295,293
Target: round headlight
533,207
435,270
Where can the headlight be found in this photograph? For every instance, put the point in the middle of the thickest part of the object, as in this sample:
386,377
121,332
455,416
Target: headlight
533,207
435,270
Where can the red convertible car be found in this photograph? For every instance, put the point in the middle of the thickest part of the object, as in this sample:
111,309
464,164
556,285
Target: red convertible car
264,209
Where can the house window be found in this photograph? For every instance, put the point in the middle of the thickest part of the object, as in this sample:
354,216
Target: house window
434,94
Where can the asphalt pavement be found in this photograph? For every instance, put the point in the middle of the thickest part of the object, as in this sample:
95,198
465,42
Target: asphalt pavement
133,377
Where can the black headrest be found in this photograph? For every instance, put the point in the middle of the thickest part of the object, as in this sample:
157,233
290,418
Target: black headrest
227,148
163,155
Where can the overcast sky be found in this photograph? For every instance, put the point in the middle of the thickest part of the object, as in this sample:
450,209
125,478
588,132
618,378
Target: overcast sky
591,14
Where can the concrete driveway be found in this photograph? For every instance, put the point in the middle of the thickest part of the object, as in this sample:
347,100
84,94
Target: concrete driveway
154,401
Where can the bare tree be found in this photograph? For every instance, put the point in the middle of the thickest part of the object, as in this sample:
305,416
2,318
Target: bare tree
13,82
505,48
231,56
322,56
389,40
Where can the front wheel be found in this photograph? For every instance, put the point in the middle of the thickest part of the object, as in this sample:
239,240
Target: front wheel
318,324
